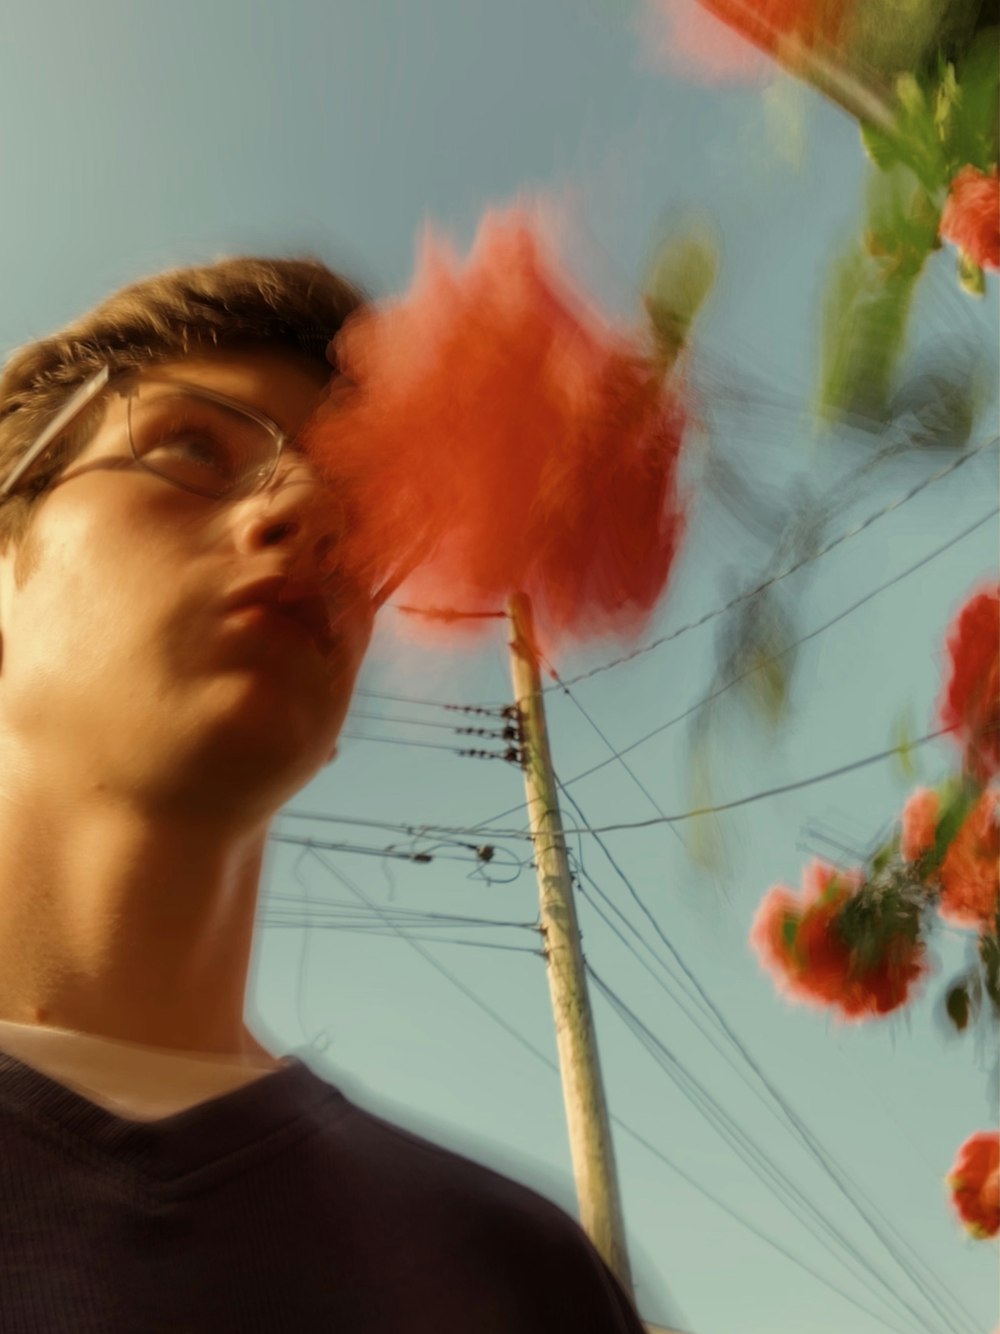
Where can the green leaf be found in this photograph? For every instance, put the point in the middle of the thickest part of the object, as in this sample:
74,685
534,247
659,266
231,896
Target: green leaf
957,799
973,127
903,736
789,929
910,94
970,275
989,953
705,841
944,101
869,297
884,856
957,1005
683,274
882,148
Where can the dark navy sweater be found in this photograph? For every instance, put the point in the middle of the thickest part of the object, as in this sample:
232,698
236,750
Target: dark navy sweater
279,1206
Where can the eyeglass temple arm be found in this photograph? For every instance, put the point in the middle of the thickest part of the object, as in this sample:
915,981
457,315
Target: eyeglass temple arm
84,395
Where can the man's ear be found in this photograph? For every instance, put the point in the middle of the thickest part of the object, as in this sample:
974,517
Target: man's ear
329,759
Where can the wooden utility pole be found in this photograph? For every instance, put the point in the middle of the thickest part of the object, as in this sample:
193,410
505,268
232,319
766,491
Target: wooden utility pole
583,1091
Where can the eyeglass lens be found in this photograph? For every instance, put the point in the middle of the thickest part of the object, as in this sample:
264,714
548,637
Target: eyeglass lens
197,443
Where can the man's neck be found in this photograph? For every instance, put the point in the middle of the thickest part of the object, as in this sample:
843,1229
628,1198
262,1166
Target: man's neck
124,927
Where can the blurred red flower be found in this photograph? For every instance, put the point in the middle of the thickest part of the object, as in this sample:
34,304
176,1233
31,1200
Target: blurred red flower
767,22
970,872
920,817
970,704
716,39
975,1184
501,437
971,217
798,940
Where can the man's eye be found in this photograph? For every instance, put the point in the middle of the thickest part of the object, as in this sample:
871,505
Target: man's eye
195,452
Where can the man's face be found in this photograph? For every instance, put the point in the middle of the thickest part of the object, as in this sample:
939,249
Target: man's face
120,664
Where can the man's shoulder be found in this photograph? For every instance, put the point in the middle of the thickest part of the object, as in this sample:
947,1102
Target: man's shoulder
498,1233
391,1150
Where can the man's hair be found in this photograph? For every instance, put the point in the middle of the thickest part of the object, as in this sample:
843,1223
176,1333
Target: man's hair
296,305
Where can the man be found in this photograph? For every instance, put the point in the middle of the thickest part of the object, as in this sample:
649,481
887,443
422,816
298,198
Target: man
160,1170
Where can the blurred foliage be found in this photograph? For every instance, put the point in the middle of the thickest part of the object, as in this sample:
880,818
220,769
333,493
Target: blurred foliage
933,66
946,117
682,275
901,36
869,297
903,736
705,843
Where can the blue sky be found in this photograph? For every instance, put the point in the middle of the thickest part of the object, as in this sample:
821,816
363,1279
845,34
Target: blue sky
135,137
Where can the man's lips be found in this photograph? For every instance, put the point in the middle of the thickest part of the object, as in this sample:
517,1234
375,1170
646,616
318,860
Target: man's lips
274,593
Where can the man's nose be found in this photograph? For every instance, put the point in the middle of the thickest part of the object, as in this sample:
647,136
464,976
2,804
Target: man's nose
297,501
295,470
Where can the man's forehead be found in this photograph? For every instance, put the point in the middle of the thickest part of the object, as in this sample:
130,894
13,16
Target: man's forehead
284,387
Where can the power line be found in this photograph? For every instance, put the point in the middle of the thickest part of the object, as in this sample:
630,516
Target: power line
384,931
436,964
428,703
564,686
721,806
410,722
400,741
646,1144
789,570
415,916
425,830
711,1010
486,859
755,796
731,1129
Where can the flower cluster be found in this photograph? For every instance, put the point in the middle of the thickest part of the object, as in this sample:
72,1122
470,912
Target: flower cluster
974,1181
732,40
964,871
970,871
813,947
971,216
497,435
970,704
853,941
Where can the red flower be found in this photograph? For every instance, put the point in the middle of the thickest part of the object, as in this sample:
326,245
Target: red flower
920,817
970,705
971,217
717,38
768,22
970,872
975,1184
500,437
799,942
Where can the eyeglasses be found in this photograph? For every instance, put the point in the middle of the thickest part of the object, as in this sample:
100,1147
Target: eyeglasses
194,438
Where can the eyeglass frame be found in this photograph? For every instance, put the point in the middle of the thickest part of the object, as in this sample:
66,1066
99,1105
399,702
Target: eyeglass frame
89,391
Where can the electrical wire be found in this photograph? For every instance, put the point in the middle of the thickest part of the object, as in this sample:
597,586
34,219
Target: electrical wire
363,693
662,1157
731,1131
788,1115
383,931
564,685
400,741
853,767
832,1169
623,825
789,570
408,722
